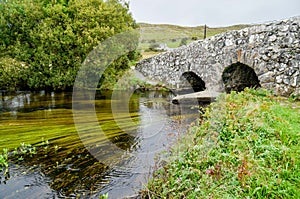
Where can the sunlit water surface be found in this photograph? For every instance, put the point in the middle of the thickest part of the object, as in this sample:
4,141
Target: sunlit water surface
118,161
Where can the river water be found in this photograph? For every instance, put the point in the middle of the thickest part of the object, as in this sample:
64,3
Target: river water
78,158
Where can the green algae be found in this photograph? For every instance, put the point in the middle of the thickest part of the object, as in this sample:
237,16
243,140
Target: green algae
71,160
56,124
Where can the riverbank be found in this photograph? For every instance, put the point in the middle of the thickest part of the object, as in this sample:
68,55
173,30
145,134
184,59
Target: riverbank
132,81
247,146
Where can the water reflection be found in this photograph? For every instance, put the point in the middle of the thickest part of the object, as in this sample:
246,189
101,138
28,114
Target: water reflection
142,127
33,101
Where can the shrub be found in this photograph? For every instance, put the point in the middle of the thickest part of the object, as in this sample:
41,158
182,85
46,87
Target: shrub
13,74
183,42
54,37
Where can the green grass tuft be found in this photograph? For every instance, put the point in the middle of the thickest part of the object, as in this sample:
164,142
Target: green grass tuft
248,146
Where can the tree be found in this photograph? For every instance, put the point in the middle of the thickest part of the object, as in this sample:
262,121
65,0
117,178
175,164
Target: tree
53,37
183,42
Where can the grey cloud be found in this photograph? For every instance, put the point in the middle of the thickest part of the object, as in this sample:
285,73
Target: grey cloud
213,12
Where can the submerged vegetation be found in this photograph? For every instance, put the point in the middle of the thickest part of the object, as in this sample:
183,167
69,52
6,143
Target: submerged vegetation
19,153
55,164
247,146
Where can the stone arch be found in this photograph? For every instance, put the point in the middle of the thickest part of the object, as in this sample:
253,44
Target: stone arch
238,76
191,81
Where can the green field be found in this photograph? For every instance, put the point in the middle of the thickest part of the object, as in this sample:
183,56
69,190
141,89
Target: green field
172,35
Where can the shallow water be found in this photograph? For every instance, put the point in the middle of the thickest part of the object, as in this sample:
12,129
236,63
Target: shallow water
81,159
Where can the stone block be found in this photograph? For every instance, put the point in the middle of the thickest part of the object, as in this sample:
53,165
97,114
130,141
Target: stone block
267,77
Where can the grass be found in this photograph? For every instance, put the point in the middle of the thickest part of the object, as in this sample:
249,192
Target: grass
4,159
166,32
247,146
173,34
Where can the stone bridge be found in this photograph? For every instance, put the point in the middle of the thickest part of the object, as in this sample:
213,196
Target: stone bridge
265,56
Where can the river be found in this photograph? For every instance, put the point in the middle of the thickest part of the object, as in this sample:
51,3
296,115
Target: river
78,158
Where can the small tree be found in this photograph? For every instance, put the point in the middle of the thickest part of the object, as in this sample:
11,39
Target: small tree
183,42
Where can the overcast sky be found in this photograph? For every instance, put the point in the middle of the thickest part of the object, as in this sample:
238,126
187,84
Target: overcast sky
213,12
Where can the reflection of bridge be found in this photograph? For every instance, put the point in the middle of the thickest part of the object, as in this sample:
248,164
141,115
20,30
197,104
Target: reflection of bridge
267,55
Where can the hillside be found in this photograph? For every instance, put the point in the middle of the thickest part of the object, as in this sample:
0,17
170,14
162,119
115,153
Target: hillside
153,35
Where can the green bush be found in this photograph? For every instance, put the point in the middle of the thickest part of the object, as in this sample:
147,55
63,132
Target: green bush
53,38
183,42
13,74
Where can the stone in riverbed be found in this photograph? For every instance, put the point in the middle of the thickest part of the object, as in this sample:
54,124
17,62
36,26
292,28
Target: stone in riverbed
202,96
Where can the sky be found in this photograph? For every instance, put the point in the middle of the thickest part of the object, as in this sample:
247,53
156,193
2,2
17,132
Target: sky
214,13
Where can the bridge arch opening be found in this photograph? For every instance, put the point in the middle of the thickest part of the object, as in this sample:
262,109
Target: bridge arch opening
190,79
238,76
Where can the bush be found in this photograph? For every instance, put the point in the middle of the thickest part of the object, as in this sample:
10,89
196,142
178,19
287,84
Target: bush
183,42
54,37
13,74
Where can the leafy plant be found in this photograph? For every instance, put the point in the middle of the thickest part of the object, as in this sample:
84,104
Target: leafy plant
104,196
4,159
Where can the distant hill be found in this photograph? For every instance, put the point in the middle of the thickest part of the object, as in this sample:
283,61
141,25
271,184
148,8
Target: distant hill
154,36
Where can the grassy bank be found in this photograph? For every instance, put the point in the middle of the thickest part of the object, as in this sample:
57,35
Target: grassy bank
247,146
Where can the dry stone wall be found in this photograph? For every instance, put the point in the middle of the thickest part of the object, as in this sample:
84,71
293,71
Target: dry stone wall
272,50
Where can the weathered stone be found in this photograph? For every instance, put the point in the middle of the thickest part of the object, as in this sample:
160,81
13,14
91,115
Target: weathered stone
262,69
265,58
203,96
284,28
267,77
272,50
252,39
282,67
294,81
279,79
274,56
228,42
286,80
290,72
272,38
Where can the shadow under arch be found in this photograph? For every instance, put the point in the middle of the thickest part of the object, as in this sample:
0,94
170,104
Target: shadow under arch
238,76
191,82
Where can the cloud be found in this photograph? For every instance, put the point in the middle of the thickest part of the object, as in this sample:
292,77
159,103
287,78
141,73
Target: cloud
213,12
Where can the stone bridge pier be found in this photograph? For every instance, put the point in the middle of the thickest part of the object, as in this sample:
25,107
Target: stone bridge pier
266,55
